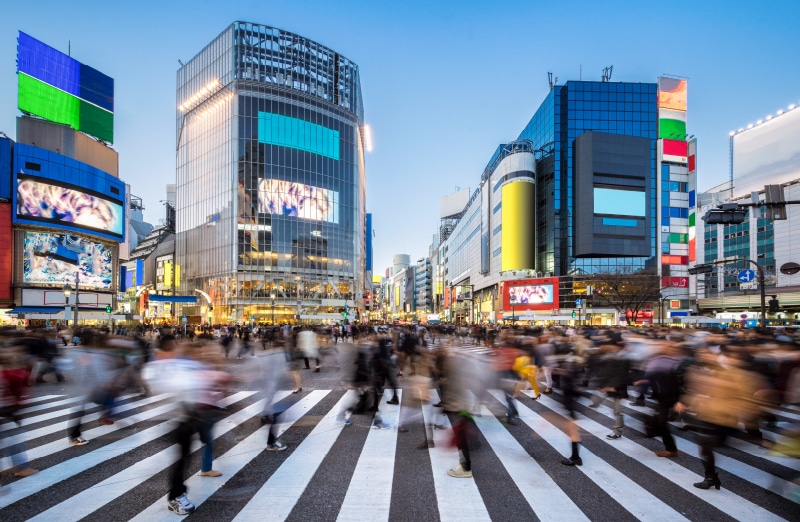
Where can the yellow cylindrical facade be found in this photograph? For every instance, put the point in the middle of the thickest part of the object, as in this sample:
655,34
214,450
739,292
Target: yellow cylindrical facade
519,217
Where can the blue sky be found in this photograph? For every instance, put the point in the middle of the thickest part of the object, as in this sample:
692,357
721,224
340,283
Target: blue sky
443,82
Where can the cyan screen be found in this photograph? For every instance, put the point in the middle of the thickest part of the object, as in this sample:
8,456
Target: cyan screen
619,202
275,129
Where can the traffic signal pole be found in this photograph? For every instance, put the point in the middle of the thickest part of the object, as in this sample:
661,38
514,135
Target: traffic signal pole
707,267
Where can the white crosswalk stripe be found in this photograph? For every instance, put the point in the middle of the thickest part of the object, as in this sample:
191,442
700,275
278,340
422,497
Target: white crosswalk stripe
368,493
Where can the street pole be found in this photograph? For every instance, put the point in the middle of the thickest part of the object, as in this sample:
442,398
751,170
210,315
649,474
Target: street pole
77,301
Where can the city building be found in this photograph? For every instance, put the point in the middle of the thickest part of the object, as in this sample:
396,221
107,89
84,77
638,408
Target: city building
64,209
423,288
599,184
762,153
271,180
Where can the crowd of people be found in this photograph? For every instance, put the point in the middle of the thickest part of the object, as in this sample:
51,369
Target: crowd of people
715,383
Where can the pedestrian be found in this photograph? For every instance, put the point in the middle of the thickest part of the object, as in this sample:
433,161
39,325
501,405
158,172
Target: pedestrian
612,379
308,347
272,374
661,374
569,385
722,394
14,379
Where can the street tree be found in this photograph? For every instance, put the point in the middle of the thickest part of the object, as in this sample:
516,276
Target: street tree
626,289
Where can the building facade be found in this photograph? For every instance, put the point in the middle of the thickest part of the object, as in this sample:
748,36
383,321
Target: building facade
271,181
585,190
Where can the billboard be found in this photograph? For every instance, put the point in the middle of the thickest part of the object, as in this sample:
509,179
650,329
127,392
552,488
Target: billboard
531,294
767,154
672,94
58,88
518,215
288,198
41,201
52,258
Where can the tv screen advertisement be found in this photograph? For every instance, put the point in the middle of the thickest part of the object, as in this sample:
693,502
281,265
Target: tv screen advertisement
40,201
532,294
288,198
54,259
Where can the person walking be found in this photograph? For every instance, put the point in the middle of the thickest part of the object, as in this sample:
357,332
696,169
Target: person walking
612,379
723,394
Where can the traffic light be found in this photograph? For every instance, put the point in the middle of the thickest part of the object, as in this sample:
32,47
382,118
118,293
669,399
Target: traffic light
108,309
774,305
574,314
726,214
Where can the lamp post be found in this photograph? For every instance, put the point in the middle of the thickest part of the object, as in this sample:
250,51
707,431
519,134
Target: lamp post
67,294
513,300
272,300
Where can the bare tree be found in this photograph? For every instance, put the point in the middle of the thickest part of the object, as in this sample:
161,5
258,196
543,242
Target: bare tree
626,289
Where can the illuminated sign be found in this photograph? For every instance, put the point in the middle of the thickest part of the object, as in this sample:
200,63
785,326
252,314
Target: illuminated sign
42,201
619,202
672,94
275,129
55,259
531,294
58,88
288,198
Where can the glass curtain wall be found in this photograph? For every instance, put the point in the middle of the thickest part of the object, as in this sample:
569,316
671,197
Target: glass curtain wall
271,195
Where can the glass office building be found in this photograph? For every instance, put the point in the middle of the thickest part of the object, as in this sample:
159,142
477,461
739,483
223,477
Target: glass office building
569,111
270,178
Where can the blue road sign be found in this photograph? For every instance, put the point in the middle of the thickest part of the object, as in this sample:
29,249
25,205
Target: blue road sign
746,276
578,302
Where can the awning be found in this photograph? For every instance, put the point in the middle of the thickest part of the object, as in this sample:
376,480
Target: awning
51,310
173,298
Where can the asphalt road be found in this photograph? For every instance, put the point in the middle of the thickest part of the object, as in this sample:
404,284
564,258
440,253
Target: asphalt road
331,471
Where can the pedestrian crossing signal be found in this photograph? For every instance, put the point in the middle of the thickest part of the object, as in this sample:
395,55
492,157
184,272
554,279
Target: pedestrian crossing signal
574,314
108,309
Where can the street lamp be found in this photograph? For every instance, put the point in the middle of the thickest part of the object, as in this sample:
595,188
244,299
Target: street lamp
67,294
272,299
513,300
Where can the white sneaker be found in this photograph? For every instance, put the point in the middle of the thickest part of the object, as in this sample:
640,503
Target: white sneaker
78,441
276,446
459,472
181,505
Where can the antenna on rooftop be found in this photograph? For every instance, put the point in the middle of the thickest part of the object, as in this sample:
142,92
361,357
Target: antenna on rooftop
607,73
550,80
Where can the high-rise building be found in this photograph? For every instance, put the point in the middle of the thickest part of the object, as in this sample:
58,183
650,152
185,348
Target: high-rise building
599,182
271,181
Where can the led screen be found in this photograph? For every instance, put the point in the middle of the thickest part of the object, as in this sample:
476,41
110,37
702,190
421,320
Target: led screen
768,154
288,198
56,258
619,202
46,202
672,94
58,88
530,294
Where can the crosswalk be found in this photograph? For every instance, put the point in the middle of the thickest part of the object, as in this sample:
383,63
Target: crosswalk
354,473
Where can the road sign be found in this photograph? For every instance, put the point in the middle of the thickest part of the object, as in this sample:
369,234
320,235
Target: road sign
748,286
578,302
746,276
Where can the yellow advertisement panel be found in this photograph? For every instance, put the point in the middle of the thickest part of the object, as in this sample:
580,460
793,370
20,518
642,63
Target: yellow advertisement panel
518,215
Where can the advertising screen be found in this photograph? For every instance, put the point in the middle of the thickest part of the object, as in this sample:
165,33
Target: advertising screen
767,154
531,294
56,258
288,198
672,94
46,202
619,202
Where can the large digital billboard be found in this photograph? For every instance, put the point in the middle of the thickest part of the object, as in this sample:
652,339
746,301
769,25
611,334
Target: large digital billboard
56,259
531,294
767,154
287,198
58,88
44,201
620,202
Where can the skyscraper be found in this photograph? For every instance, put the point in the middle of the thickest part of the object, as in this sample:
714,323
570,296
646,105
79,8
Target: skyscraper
270,178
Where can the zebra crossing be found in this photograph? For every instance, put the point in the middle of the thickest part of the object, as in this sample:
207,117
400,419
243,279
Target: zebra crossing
349,472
